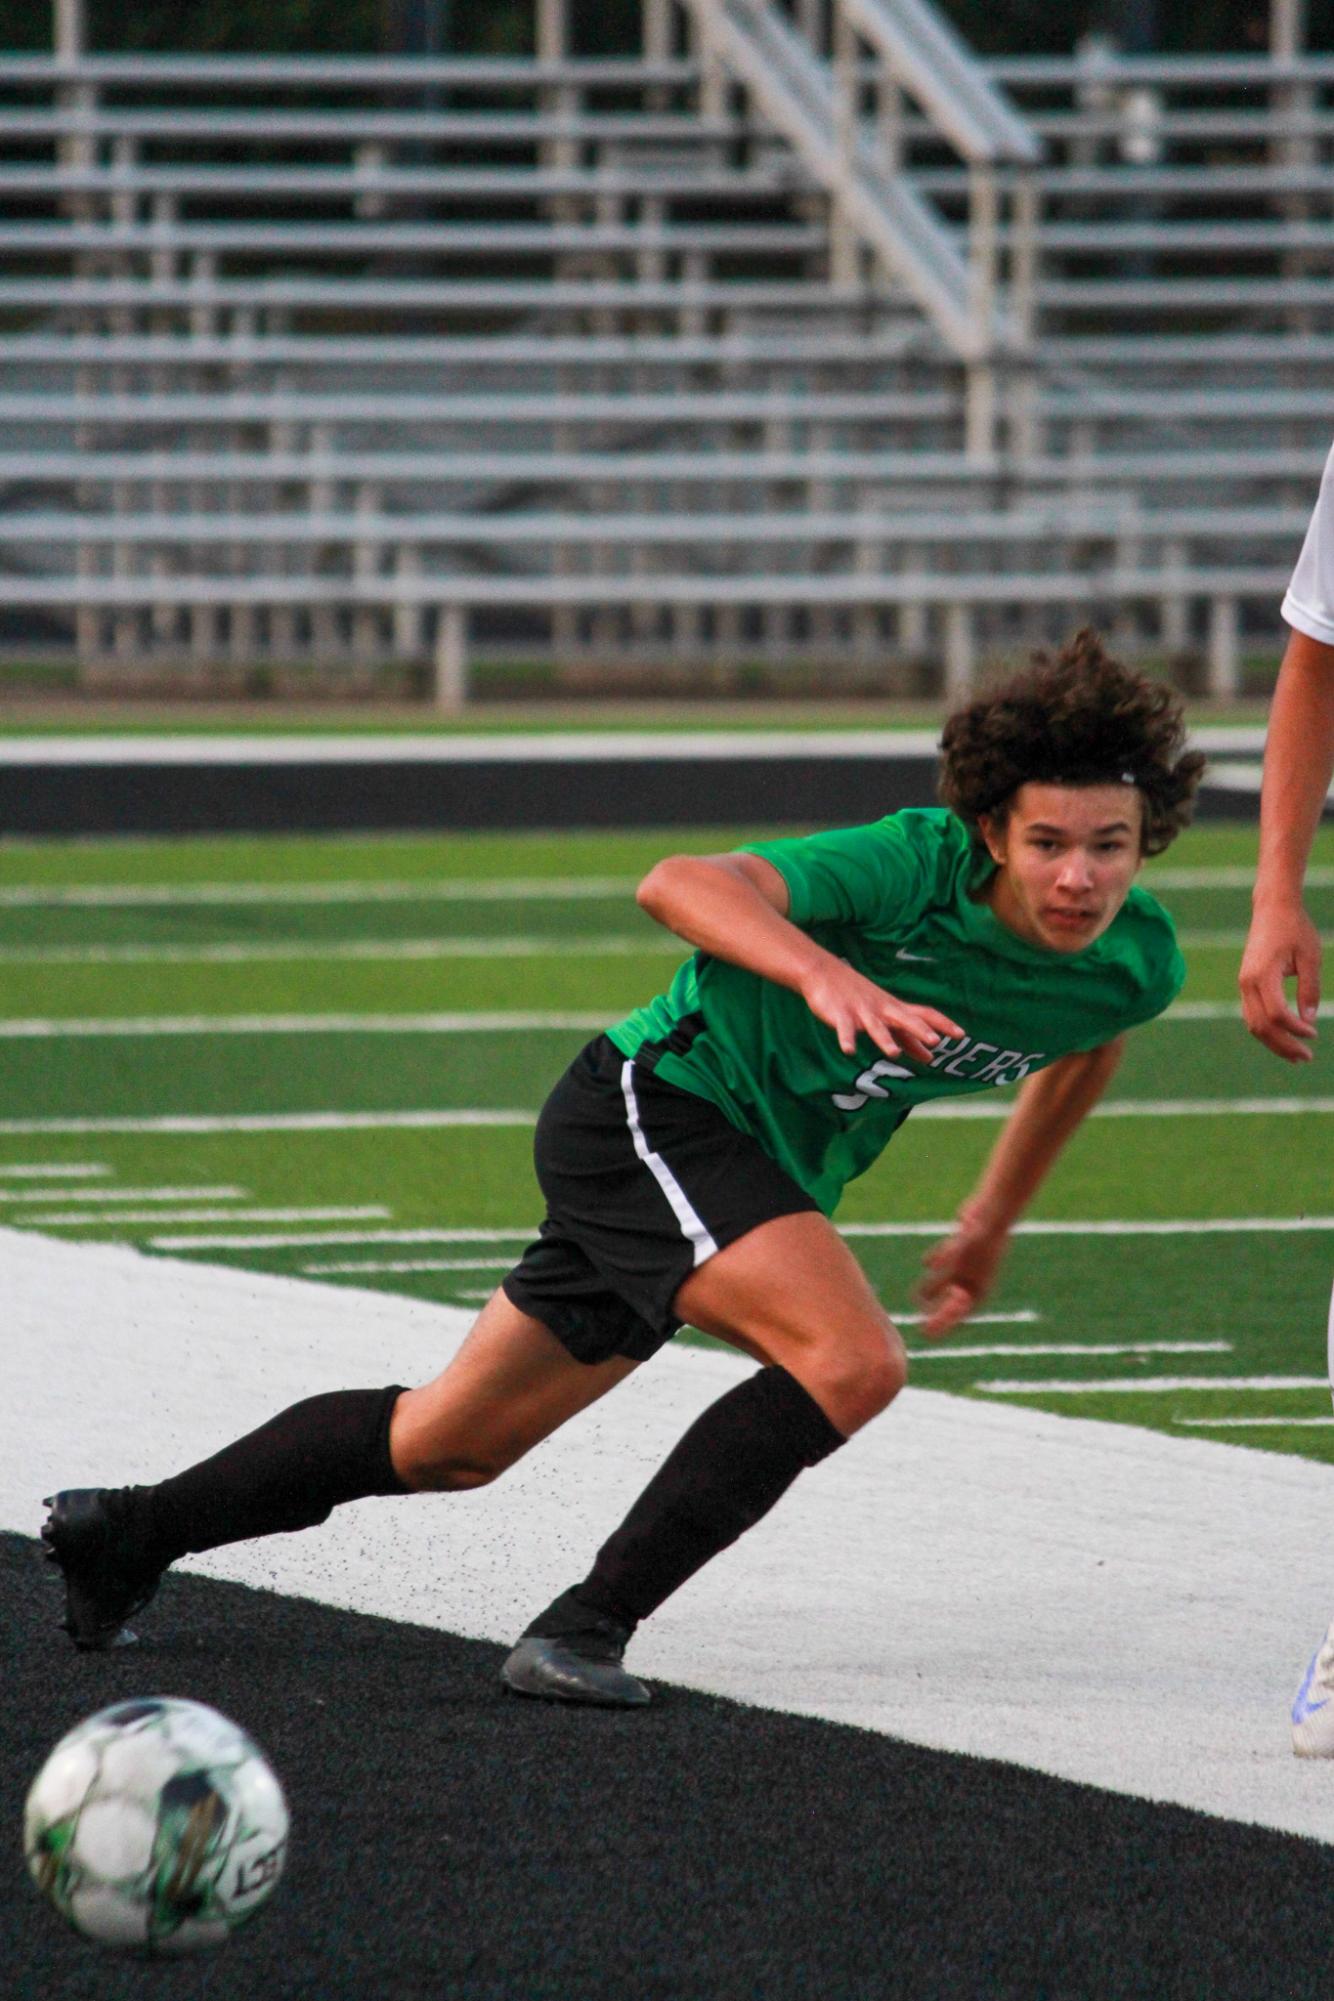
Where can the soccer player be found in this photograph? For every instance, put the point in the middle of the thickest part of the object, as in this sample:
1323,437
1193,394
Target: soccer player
692,1156
1283,942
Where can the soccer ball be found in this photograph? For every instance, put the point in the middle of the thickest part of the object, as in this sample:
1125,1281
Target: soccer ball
156,1826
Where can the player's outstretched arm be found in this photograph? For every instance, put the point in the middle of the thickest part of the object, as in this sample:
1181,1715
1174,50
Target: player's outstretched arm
735,907
1051,1105
1283,942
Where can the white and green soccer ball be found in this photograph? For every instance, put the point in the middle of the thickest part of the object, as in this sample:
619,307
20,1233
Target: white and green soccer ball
156,1826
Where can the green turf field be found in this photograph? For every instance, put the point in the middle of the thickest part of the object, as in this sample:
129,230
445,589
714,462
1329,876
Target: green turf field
322,1057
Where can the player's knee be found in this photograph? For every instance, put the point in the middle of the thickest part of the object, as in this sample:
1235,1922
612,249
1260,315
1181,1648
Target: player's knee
430,1456
450,1472
859,1381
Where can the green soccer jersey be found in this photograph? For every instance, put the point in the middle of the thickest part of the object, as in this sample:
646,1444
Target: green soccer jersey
898,901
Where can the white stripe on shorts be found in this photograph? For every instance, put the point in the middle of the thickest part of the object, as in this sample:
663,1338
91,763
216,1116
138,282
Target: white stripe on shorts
693,1228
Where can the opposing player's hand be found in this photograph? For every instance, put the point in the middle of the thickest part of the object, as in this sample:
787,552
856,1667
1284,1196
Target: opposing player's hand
959,1274
1283,944
852,1005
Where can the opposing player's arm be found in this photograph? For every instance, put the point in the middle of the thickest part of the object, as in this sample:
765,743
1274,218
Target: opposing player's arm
1050,1106
1283,942
735,908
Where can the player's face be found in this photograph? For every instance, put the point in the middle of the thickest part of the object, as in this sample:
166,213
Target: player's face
1065,857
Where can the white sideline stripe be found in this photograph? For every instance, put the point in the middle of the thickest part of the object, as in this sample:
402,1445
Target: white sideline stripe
269,1122
1175,1108
1205,1226
1206,1010
1259,1224
468,1116
468,1021
1225,875
411,1264
693,1227
67,1219
111,1195
1252,1423
1004,1386
591,945
1064,1541
440,1236
491,747
1025,1316
482,889
948,1349
429,889
447,1023
478,1021
486,746
54,1170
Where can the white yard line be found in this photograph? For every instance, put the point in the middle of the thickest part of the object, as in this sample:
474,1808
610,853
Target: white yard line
53,1170
223,1193
66,1219
997,1106
1214,1010
1146,1386
470,1021
949,1350
1224,875
1254,1423
1064,1542
469,1116
1260,1225
481,889
286,1241
429,889
1206,1226
372,1265
269,1122
592,945
454,1022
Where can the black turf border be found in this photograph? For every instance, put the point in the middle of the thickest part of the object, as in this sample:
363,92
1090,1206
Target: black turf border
505,792
454,1843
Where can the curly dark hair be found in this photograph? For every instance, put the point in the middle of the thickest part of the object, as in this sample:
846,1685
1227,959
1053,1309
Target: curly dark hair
1076,717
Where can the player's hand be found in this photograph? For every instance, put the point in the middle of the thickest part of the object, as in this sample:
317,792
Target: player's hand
1283,944
959,1273
837,994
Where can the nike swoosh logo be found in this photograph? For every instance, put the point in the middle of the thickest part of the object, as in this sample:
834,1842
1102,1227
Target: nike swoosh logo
921,958
1301,1708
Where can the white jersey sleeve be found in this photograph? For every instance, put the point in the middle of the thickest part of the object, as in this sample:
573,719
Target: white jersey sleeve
1309,604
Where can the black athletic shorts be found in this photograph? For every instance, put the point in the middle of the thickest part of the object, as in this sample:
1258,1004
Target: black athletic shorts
643,1182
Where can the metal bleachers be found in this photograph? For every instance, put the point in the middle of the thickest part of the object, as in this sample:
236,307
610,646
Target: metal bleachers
751,350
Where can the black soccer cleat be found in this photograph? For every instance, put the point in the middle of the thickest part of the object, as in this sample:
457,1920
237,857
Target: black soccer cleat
90,1535
582,1666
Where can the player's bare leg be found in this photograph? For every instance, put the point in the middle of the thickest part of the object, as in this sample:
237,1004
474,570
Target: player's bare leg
791,1294
510,1386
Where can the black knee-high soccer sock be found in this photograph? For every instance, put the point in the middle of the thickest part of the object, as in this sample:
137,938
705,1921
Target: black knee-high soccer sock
737,1459
290,1474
